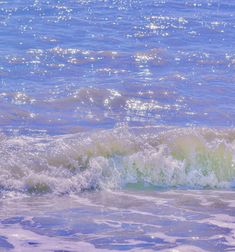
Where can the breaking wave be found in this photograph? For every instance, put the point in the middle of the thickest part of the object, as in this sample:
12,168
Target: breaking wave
109,159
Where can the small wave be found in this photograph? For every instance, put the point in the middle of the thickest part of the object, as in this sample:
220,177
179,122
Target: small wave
115,158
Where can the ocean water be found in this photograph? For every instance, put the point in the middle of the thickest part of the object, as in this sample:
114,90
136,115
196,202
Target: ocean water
117,125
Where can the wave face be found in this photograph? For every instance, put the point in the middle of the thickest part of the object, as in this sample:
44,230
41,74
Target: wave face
118,158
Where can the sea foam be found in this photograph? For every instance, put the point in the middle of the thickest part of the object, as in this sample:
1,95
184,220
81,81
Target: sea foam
109,159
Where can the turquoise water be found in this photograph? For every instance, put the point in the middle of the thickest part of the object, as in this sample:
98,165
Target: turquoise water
117,125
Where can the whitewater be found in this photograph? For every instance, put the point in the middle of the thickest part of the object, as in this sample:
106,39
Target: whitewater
117,125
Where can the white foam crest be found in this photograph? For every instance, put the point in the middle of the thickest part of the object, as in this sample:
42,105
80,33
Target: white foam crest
116,158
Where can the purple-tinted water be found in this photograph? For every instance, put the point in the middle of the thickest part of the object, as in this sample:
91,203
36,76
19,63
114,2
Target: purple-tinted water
75,65
117,125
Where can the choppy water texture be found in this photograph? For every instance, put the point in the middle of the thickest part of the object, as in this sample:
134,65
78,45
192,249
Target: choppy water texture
117,125
85,64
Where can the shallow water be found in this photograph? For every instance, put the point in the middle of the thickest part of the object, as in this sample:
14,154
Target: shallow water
117,125
176,220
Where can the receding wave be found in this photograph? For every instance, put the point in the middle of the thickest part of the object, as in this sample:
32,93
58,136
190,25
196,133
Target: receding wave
116,158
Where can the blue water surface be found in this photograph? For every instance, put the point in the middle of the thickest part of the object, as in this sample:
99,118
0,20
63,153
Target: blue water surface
117,125
73,65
